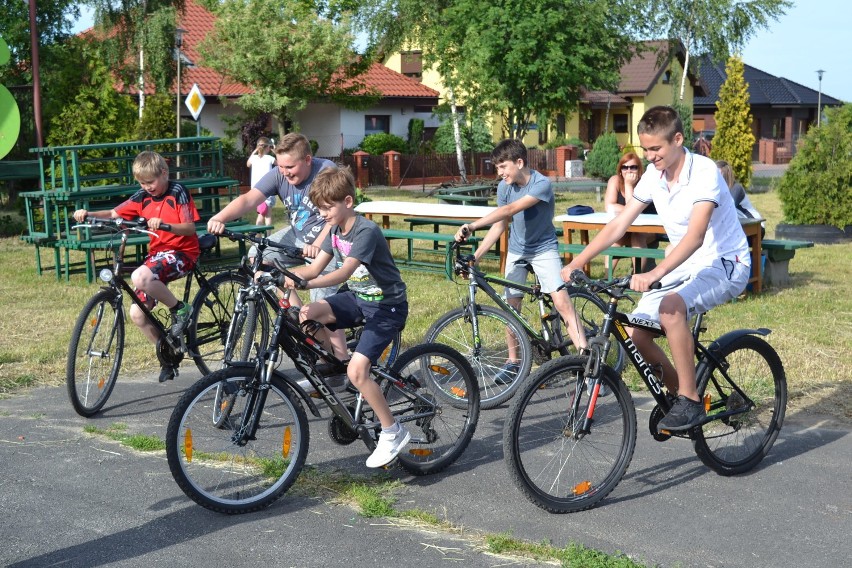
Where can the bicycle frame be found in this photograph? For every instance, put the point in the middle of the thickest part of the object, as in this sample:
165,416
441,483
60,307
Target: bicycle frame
615,324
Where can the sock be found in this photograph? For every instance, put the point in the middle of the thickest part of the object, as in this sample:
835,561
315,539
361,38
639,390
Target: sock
393,429
177,307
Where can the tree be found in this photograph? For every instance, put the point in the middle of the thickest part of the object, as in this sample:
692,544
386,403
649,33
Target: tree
307,58
603,158
817,186
734,139
716,27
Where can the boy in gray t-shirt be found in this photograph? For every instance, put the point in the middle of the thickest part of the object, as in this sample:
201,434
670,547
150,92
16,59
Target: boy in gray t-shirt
376,294
525,198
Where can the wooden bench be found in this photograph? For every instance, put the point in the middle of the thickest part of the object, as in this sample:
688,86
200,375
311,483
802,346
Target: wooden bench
776,271
420,265
619,252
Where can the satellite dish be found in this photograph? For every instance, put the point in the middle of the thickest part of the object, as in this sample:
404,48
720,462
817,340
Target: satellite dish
10,116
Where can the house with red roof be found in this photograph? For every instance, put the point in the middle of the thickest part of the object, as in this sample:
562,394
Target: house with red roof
333,127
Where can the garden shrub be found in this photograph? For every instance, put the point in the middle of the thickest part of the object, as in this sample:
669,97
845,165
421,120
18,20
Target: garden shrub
378,144
602,160
816,189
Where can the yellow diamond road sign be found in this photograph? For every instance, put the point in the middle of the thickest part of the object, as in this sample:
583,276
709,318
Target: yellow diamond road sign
195,101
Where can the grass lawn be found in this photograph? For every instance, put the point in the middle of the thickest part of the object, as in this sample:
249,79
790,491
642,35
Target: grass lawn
809,319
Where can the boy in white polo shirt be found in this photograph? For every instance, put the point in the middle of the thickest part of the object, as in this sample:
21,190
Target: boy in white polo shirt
707,263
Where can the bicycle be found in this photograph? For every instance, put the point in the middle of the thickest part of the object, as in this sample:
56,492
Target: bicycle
256,451
251,325
567,449
479,331
97,340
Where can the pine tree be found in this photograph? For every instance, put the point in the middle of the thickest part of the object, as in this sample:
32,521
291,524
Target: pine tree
734,139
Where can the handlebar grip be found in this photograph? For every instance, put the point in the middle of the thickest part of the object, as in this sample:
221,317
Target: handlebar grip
656,285
578,275
165,227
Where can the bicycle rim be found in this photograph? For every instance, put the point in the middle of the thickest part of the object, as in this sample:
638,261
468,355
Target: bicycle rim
739,442
219,473
441,422
455,329
556,465
94,354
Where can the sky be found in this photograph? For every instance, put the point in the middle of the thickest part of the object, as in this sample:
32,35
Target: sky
808,37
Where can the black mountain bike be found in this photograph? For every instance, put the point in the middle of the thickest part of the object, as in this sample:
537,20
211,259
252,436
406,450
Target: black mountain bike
97,341
567,447
238,438
480,331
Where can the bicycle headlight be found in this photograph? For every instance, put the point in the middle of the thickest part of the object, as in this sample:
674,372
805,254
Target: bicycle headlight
106,275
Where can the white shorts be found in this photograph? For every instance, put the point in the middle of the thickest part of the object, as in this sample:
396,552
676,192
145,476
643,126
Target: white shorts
701,287
547,266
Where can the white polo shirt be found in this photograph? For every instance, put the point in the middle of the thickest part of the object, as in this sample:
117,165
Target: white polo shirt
699,181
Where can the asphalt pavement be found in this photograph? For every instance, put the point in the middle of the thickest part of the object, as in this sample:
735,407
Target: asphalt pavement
75,500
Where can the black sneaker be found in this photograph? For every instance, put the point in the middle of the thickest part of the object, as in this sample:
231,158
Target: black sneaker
507,374
685,414
167,373
180,318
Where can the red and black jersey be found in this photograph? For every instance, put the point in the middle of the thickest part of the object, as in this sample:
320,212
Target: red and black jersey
174,206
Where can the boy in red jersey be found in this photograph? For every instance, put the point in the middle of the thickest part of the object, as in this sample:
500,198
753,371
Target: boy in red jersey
171,254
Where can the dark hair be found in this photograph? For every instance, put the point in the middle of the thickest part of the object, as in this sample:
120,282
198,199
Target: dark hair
332,185
660,121
509,150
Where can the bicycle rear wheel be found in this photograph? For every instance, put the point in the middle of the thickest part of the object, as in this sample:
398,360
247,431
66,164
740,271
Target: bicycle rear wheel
441,420
213,308
94,354
456,330
556,464
738,442
219,467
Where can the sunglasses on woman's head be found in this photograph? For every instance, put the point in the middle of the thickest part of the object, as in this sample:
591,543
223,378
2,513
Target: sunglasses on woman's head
632,168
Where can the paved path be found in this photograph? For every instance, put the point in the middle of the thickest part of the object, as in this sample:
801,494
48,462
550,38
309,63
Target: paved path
74,500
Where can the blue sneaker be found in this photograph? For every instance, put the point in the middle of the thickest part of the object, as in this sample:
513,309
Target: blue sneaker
507,373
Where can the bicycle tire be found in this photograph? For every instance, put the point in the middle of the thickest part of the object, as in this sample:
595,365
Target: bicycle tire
95,352
454,328
389,354
737,443
447,422
212,310
218,473
591,309
556,467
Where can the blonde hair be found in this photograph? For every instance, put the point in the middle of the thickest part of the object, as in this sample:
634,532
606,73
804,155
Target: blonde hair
295,144
332,185
149,165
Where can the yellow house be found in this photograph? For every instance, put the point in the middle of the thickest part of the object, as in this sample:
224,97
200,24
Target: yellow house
648,79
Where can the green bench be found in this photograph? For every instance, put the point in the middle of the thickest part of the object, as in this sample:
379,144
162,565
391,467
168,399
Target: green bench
463,199
618,252
779,252
420,265
466,195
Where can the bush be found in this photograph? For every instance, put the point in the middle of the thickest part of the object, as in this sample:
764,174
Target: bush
816,189
378,144
416,131
603,158
475,137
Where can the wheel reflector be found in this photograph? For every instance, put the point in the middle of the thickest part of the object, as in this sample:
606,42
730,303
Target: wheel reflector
285,445
187,444
582,487
458,391
420,452
439,369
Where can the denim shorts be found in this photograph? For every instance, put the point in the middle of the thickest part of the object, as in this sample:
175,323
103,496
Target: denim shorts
381,321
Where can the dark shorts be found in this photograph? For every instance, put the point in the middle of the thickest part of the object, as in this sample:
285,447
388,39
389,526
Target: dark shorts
167,266
382,321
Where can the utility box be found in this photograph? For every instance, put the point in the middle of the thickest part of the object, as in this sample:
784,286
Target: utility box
573,168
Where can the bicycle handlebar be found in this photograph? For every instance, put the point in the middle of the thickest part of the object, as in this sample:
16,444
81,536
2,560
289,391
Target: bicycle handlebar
264,242
140,224
614,288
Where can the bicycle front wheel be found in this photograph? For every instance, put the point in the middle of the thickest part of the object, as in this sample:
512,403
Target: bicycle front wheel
212,311
456,330
94,355
590,309
442,419
753,395
224,468
561,463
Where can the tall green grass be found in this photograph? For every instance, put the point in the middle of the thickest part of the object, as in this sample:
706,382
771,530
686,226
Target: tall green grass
811,320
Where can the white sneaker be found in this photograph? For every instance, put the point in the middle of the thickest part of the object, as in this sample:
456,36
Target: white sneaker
390,443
